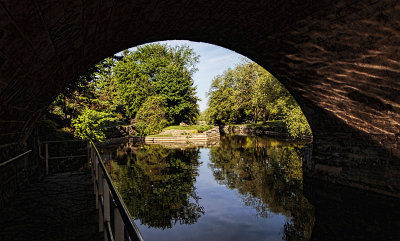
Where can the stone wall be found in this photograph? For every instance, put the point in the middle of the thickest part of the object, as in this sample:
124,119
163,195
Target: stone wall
355,160
278,132
120,131
20,172
206,138
341,213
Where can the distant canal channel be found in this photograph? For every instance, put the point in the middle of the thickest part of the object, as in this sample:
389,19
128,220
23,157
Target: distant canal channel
244,188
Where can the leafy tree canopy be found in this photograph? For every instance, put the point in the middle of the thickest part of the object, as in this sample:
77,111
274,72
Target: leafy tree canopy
249,93
151,117
90,125
157,69
153,77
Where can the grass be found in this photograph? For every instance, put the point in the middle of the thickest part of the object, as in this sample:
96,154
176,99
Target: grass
156,135
199,128
271,123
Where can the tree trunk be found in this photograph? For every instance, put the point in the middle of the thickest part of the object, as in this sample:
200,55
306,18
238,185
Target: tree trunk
265,114
255,115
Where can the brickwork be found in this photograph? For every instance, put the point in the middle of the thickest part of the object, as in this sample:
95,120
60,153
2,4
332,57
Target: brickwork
340,60
18,173
343,213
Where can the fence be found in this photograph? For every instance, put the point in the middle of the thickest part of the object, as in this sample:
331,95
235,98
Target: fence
61,153
116,225
15,173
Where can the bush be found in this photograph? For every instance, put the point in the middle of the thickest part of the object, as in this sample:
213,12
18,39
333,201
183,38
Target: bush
151,117
90,125
198,128
296,122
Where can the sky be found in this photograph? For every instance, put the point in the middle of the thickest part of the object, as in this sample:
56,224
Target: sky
214,60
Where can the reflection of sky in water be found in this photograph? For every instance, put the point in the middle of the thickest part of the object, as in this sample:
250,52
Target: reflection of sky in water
226,217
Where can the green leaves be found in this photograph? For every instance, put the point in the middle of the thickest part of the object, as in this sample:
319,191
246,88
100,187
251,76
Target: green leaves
151,117
296,122
124,87
249,93
159,70
90,125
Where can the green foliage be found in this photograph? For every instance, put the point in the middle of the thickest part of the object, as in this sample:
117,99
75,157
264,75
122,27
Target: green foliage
296,122
249,93
204,116
159,70
121,86
269,123
198,128
221,103
151,117
85,91
90,125
243,94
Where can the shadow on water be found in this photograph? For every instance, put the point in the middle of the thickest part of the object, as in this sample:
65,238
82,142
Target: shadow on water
176,193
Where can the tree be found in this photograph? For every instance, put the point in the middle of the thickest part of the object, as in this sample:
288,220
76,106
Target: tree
296,122
151,117
248,92
90,125
108,96
92,89
221,100
157,69
265,92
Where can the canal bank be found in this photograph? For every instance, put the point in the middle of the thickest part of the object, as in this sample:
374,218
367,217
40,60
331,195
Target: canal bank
256,130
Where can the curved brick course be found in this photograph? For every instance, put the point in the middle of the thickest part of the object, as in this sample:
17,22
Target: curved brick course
339,59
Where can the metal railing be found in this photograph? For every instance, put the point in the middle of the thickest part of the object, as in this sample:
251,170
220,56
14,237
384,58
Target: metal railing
15,158
14,165
107,199
47,156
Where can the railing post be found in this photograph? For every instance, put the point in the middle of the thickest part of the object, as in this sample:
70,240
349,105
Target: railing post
123,224
101,195
106,208
118,226
88,152
96,174
92,167
46,146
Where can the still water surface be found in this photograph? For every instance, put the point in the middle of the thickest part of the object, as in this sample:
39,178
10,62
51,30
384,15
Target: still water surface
246,188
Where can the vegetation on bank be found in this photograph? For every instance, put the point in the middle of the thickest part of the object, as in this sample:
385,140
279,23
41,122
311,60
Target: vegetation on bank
267,124
198,128
153,88
152,85
249,93
159,135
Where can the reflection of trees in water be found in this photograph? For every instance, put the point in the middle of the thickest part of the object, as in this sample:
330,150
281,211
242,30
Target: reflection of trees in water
268,176
157,185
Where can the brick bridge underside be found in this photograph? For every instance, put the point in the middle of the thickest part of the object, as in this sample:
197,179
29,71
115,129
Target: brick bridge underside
339,59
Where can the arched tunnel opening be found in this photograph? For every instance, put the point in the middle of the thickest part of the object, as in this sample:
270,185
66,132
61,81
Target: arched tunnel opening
339,60
162,180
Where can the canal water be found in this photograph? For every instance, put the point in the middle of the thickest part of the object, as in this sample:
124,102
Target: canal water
244,188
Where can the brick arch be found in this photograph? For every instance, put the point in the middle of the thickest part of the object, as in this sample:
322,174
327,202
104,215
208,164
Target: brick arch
340,60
